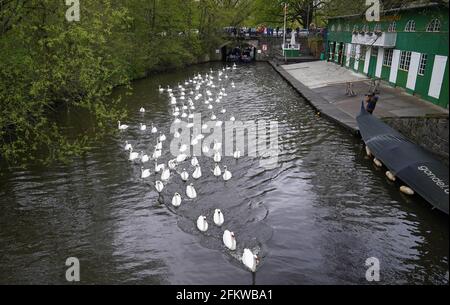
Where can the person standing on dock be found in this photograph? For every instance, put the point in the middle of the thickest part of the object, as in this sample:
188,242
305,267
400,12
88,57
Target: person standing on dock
371,102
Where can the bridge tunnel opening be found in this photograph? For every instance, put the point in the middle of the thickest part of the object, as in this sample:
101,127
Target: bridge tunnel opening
238,52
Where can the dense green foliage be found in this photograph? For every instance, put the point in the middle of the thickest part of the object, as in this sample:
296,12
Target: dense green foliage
48,63
304,12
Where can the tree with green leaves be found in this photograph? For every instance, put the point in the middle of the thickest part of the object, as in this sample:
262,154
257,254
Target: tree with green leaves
48,64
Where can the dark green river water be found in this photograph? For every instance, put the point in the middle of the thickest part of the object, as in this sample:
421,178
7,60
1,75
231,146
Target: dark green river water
315,217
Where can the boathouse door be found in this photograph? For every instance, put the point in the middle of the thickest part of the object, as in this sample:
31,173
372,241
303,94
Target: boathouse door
373,62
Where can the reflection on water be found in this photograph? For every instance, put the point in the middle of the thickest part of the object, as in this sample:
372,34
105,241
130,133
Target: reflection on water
315,218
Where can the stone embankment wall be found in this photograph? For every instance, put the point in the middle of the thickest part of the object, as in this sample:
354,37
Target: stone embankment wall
429,132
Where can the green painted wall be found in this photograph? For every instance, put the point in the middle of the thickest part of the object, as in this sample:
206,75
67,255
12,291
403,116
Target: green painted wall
419,41
361,63
402,77
385,72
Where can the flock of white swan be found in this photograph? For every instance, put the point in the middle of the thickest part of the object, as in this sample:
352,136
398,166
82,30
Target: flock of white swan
183,101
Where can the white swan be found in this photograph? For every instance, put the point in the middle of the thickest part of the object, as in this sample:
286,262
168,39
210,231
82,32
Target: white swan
162,137
202,224
183,148
219,123
156,154
217,171
122,126
191,192
223,110
181,158
172,164
154,129
145,173
194,161
217,146
142,110
250,260
159,167
194,141
165,175
133,155
158,145
229,240
159,186
213,117
184,175
227,174
205,126
218,218
217,157
128,146
197,172
144,158
205,149
176,200
232,119
161,90
237,154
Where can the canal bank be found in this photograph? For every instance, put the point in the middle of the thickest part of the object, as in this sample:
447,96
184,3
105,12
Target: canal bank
324,86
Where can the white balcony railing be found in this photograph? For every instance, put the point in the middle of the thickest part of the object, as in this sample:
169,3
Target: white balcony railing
383,39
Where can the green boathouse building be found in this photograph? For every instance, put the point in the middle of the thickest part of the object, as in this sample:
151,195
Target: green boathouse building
407,48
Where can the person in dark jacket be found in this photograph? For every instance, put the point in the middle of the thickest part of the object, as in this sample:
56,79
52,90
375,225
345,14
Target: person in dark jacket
371,102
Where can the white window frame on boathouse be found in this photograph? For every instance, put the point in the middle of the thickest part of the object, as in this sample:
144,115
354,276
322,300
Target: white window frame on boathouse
423,64
379,66
394,67
387,61
413,70
410,26
353,51
405,60
367,51
357,57
437,76
392,27
434,26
